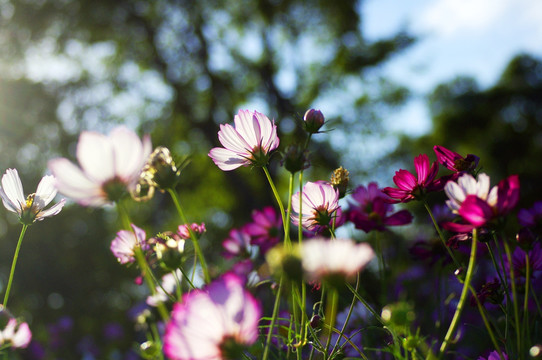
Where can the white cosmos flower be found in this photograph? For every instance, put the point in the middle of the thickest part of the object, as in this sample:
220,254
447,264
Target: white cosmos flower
31,208
109,166
468,185
323,258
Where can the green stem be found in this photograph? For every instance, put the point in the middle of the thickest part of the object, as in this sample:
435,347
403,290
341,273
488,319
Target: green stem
350,310
514,296
463,297
13,264
193,237
146,271
365,303
273,320
441,236
331,314
526,299
279,202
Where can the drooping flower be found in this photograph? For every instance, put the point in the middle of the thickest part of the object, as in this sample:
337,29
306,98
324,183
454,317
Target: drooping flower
213,324
248,143
109,166
31,208
478,205
124,245
265,228
327,259
455,162
370,210
16,334
320,201
165,289
410,187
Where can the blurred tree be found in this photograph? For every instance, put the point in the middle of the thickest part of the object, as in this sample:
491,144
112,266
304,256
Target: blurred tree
175,69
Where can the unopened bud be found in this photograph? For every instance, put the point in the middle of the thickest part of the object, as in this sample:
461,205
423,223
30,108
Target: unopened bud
295,159
314,120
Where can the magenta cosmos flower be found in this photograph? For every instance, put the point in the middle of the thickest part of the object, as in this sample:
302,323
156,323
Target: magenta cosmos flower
328,259
124,245
410,187
320,201
32,207
476,203
265,229
248,143
455,162
109,166
213,324
371,210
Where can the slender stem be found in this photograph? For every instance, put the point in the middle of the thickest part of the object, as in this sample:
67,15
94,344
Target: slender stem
279,202
514,295
526,298
486,322
331,314
13,264
350,310
193,237
365,303
463,297
273,320
441,236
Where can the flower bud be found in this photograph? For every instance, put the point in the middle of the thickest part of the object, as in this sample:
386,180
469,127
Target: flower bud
313,120
295,159
161,170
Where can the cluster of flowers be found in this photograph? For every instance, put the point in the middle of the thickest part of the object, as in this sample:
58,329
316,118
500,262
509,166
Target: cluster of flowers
261,307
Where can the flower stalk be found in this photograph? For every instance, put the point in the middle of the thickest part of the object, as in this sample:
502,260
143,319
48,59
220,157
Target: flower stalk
14,264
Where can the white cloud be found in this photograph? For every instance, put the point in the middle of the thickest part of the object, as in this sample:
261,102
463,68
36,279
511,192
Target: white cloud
450,17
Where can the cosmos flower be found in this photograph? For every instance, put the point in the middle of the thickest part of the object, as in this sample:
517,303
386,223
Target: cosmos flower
476,203
31,208
237,244
184,232
109,166
248,143
265,228
124,245
213,324
455,162
165,289
320,202
531,217
323,258
16,334
370,210
410,187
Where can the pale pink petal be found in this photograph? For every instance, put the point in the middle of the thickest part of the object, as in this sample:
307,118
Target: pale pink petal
232,140
248,127
129,153
73,183
95,155
483,186
46,191
226,159
22,337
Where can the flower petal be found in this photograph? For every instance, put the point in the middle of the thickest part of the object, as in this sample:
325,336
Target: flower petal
226,159
46,191
13,190
95,155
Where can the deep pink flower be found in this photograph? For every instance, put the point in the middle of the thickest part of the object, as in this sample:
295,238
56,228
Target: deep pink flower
266,228
249,142
124,245
410,187
320,203
371,210
213,324
455,162
109,166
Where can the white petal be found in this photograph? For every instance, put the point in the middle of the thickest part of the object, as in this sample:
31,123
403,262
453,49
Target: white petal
52,211
8,204
248,127
13,189
73,183
232,140
130,153
46,191
483,186
95,155
226,159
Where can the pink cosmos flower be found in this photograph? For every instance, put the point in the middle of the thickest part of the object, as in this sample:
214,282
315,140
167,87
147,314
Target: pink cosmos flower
410,187
265,230
213,324
184,233
237,244
16,334
249,142
455,162
322,258
476,203
371,210
109,166
320,203
124,245
31,208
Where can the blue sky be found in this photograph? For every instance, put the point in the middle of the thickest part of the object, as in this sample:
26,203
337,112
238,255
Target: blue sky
456,37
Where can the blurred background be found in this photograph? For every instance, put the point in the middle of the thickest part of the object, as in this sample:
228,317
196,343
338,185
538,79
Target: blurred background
393,79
